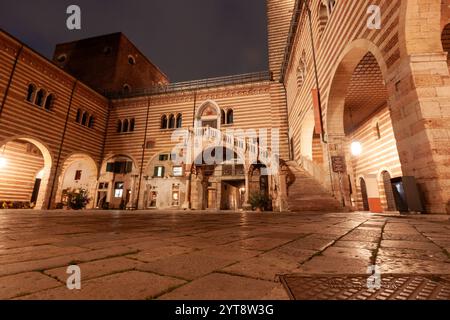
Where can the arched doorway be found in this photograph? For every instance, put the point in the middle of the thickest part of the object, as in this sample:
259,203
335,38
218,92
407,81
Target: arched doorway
25,166
364,197
389,194
218,180
446,42
118,183
79,173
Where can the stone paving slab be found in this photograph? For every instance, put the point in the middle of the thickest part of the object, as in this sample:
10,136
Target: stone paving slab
128,286
25,283
187,266
228,287
158,253
98,268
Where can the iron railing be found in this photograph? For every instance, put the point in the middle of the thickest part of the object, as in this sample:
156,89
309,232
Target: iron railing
192,85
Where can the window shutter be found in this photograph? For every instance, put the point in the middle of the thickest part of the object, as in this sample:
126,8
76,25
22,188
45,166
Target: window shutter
129,165
110,167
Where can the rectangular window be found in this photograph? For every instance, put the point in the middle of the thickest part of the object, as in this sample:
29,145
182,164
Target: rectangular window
122,167
159,172
103,185
118,189
163,157
78,175
177,171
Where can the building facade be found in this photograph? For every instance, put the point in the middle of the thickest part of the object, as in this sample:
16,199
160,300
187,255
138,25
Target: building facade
347,105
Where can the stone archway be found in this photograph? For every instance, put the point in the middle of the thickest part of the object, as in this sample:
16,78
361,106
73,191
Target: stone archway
25,173
121,176
79,171
358,94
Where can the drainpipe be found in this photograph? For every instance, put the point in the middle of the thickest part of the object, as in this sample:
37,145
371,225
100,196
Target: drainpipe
144,146
102,155
8,86
61,145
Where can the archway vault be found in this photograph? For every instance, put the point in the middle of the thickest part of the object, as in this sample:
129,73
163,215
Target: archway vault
343,76
23,169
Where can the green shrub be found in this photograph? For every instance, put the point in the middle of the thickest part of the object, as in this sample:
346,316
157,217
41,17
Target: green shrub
77,200
259,200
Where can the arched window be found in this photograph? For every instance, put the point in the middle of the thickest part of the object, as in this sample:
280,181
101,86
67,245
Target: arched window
78,118
377,131
84,118
323,17
230,116
222,116
301,73
49,102
164,122
126,88
125,125
40,97
330,6
119,126
91,122
171,121
30,92
131,60
132,124
179,120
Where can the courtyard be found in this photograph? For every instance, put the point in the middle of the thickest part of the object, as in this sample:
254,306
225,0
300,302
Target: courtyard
201,255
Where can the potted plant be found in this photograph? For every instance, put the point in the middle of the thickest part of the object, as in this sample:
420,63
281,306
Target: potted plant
78,200
259,201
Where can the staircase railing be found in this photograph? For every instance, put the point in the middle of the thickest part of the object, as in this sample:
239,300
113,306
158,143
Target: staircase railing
242,145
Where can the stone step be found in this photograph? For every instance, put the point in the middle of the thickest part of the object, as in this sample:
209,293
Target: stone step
307,194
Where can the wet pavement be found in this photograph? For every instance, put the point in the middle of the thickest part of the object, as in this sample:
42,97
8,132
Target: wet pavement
198,255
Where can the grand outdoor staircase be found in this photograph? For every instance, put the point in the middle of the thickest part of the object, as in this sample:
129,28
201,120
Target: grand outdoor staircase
306,194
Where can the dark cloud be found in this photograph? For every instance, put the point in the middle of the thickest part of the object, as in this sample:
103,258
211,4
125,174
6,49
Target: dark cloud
187,39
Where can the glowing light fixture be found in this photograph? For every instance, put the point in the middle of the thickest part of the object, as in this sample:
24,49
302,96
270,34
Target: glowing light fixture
356,148
3,161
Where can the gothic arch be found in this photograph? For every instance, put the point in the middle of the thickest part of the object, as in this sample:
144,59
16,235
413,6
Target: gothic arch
214,116
342,74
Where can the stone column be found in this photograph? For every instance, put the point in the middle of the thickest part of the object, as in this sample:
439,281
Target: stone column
283,191
129,205
187,195
337,144
420,100
247,205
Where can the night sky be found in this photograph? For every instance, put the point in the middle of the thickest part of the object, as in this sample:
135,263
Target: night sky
187,39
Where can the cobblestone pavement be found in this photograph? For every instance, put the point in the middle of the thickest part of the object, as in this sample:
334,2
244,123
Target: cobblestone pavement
193,255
